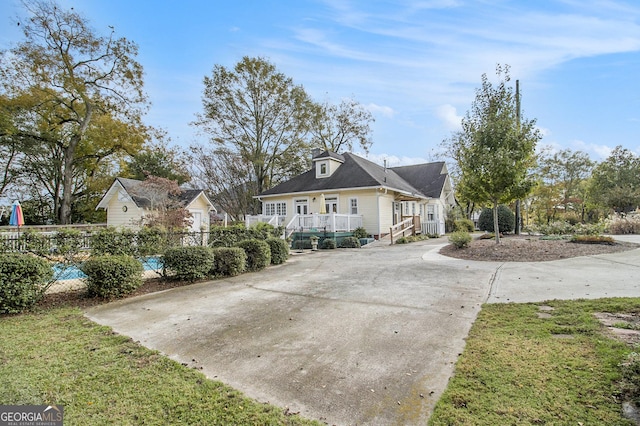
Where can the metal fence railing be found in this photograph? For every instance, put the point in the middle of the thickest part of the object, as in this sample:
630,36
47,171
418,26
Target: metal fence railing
67,252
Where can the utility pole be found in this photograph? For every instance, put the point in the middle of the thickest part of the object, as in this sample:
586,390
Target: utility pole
518,215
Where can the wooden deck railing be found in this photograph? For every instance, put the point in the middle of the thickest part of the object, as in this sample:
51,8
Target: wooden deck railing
402,227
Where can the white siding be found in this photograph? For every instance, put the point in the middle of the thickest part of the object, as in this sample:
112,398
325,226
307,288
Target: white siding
119,218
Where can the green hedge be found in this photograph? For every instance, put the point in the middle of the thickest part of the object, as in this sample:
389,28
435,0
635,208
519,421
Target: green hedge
279,250
258,254
328,244
151,241
350,242
189,263
110,276
460,239
231,236
228,261
465,225
114,242
506,219
23,281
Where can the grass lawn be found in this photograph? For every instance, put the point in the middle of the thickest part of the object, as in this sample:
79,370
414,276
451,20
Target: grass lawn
58,356
520,369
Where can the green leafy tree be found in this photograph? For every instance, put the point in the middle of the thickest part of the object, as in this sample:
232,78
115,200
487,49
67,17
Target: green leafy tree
562,178
615,183
259,114
76,98
338,127
158,159
494,151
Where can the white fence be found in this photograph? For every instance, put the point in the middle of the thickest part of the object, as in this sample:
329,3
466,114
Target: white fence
332,222
432,228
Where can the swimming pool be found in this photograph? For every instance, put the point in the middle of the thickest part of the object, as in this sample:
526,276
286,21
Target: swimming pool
73,272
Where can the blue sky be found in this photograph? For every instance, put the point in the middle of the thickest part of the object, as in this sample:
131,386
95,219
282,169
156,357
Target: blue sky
415,64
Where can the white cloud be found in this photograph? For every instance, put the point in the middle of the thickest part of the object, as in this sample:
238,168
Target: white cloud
385,111
601,151
449,116
392,160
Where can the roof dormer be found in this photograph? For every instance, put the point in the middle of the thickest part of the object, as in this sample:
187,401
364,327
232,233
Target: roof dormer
326,163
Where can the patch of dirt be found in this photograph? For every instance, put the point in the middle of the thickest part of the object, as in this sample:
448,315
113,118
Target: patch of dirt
520,248
624,327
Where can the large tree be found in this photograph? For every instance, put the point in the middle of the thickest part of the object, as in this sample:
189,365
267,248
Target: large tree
158,159
495,150
338,128
615,183
228,179
77,99
259,114
562,182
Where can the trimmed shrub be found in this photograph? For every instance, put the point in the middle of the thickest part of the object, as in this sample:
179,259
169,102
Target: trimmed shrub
301,244
360,233
151,241
460,239
402,240
465,225
34,242
23,281
68,243
189,263
279,250
328,244
230,236
506,219
112,276
228,262
258,254
350,242
592,239
114,242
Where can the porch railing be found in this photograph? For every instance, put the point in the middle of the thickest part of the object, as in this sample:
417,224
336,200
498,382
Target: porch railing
332,222
432,227
275,220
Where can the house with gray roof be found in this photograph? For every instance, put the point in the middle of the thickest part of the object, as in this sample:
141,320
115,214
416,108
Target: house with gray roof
127,204
344,191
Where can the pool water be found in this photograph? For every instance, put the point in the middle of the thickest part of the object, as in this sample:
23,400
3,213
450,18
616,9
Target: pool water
61,273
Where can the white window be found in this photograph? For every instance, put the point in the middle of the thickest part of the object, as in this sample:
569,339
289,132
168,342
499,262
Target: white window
302,206
413,209
331,204
353,206
272,209
322,169
431,212
269,209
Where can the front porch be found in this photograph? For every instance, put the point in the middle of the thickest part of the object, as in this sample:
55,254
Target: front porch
331,222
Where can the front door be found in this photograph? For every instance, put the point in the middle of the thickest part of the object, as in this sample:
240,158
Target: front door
331,204
302,206
397,213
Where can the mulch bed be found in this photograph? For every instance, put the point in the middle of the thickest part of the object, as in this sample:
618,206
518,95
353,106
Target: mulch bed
80,299
520,248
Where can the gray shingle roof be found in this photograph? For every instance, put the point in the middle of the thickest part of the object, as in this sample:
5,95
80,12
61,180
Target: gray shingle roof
185,197
421,180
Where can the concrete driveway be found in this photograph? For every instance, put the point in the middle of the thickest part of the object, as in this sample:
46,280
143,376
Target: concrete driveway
365,336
